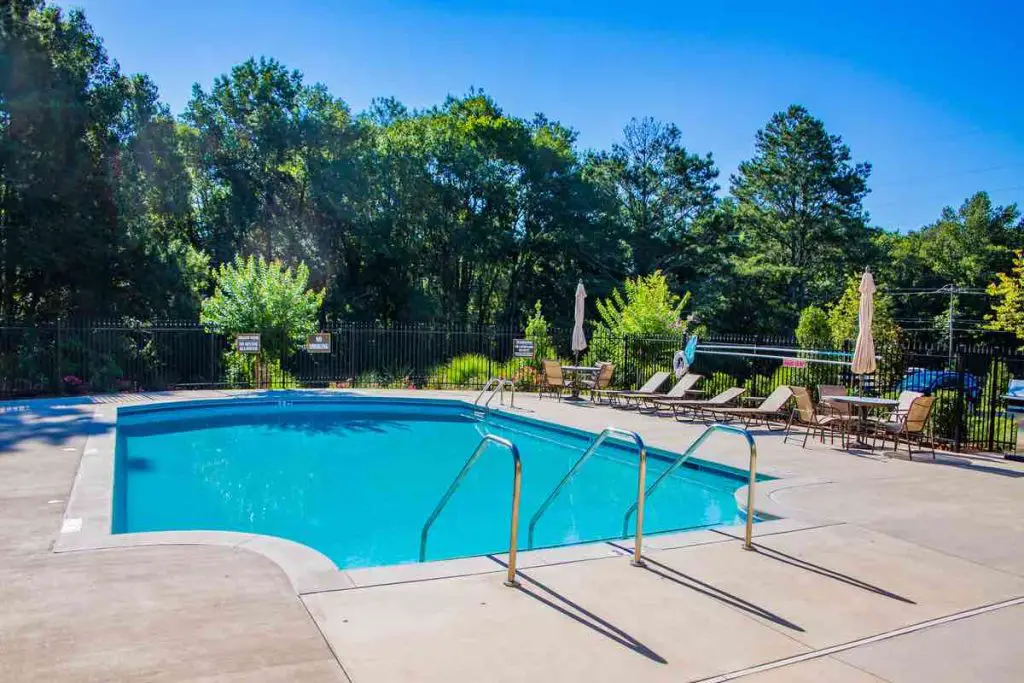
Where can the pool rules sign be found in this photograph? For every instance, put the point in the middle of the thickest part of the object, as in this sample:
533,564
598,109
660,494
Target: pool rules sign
248,343
319,343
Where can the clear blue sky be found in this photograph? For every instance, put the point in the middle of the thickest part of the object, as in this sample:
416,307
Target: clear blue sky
929,92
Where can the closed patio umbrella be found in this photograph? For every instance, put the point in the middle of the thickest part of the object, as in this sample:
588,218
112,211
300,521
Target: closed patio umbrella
863,362
579,340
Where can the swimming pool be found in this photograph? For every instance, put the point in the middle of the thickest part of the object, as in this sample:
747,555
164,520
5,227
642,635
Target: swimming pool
356,478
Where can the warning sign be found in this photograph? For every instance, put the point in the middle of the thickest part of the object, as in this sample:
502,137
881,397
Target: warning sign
319,343
248,343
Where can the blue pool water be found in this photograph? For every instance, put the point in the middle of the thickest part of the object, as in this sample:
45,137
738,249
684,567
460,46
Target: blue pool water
357,478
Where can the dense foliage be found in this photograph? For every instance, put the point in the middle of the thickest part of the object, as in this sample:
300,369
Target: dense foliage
646,307
1008,291
112,206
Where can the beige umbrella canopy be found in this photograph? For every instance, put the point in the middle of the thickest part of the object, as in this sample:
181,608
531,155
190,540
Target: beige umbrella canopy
864,352
579,340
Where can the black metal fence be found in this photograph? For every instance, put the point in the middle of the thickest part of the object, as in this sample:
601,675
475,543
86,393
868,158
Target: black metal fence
76,357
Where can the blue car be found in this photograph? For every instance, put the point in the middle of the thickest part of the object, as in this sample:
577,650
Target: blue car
929,381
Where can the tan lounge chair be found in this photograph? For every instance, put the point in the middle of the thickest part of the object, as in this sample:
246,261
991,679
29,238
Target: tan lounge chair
650,387
679,390
679,406
769,411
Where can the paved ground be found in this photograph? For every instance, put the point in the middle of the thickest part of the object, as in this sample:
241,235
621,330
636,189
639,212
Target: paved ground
911,571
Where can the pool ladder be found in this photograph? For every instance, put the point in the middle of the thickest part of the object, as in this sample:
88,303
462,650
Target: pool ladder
640,492
644,494
678,462
496,385
517,480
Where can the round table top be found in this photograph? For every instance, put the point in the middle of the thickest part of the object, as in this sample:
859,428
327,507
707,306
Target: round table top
581,368
865,400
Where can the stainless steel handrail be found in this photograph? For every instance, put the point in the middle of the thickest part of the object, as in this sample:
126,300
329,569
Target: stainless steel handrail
747,542
641,478
499,385
487,387
517,480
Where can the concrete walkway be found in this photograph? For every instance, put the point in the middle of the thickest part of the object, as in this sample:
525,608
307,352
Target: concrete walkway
898,571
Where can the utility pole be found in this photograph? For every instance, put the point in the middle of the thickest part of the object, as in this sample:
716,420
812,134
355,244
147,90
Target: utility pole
953,291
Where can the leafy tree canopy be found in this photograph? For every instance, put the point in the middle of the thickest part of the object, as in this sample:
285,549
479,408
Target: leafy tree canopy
1008,300
800,212
256,295
647,307
813,331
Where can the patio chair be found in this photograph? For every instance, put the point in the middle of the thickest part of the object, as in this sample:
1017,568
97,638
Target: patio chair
905,400
601,381
909,426
680,406
769,411
651,386
809,416
552,381
827,392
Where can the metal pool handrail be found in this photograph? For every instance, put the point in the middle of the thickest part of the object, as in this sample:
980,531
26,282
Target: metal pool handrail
747,542
517,480
591,449
499,385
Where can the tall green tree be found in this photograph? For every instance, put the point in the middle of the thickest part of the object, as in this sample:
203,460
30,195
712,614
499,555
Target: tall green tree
663,190
800,213
263,146
87,200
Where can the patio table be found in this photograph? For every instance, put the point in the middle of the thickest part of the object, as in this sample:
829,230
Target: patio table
863,404
577,372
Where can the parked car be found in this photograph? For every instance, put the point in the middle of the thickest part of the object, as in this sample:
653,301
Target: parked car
930,381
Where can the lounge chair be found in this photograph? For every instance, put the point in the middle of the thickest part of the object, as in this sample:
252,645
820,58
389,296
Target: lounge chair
552,382
651,386
679,390
601,381
909,425
679,406
816,419
769,411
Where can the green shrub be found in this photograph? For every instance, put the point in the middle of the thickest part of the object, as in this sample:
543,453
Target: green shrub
538,332
247,370
813,331
254,295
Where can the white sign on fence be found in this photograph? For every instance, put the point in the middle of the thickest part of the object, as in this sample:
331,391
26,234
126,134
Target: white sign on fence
248,343
523,348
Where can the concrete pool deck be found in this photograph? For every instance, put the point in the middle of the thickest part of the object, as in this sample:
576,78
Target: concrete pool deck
882,569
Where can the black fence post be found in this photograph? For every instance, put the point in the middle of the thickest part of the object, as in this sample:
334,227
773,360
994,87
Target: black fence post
959,399
59,379
995,380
